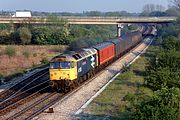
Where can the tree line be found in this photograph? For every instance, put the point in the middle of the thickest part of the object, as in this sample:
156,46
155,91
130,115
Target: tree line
58,33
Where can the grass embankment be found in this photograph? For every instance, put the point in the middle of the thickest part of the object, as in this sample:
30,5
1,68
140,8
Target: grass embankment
18,58
116,100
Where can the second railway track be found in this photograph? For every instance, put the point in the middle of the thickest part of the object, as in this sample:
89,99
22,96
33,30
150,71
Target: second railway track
20,85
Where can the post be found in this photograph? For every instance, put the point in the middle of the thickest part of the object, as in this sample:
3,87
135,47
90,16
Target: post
119,27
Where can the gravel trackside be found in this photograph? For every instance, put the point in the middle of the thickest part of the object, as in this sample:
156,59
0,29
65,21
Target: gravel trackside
65,109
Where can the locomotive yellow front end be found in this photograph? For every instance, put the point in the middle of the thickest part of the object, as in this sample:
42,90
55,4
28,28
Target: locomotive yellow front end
62,71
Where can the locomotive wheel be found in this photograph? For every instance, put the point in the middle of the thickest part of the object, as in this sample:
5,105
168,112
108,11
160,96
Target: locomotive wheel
80,79
54,85
72,85
88,75
84,77
77,82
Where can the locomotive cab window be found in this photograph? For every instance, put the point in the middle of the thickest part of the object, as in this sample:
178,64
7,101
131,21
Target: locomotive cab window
73,64
60,65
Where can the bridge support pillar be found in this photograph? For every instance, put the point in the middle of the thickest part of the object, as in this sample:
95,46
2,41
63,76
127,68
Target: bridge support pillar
119,27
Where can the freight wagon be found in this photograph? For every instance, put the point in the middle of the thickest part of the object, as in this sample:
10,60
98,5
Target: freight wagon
106,51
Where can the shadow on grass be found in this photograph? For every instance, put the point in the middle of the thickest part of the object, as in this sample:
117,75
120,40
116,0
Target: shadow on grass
129,83
120,116
140,73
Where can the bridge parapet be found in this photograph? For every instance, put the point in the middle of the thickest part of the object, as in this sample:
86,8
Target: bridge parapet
89,20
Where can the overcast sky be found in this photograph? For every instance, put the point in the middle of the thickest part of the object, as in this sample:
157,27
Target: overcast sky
78,5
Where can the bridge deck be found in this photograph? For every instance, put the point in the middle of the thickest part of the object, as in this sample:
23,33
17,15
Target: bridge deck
88,20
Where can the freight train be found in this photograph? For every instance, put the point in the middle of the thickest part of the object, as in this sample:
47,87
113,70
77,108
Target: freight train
69,70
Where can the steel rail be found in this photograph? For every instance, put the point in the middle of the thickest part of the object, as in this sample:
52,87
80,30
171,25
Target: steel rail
23,95
15,88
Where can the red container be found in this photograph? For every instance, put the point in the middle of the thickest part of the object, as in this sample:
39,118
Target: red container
106,52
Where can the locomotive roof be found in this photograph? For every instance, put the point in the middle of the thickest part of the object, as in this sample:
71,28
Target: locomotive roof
75,55
63,57
85,52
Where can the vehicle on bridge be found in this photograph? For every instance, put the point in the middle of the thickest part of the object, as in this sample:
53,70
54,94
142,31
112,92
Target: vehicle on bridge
22,13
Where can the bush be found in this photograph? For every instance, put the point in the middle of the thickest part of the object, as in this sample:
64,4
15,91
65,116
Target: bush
164,70
25,35
164,105
1,76
35,55
26,53
10,51
44,61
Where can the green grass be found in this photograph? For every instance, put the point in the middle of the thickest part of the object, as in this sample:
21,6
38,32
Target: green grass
117,98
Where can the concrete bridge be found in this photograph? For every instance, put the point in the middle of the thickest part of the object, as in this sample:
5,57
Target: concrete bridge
119,21
87,20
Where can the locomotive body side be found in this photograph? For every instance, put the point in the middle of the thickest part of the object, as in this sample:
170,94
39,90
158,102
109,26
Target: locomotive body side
87,63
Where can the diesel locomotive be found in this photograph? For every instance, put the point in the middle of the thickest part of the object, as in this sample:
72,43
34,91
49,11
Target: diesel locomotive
69,70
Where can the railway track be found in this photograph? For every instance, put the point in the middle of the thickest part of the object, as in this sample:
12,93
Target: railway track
37,107
22,104
18,87
15,101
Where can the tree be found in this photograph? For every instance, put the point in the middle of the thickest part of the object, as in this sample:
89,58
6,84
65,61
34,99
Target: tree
93,13
170,43
164,105
59,36
160,8
149,8
5,27
164,70
25,35
41,35
176,4
158,13
172,12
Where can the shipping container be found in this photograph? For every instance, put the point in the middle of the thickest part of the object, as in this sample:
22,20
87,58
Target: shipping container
106,52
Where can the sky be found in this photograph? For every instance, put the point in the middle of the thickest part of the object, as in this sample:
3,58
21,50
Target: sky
78,5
